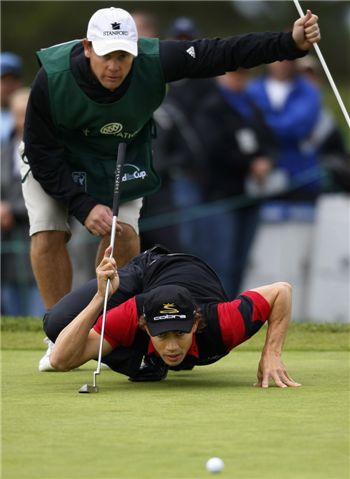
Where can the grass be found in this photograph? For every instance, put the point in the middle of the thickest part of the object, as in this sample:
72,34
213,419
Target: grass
170,429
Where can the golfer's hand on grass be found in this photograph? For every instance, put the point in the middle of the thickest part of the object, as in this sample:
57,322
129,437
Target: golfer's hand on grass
271,367
107,269
306,31
99,221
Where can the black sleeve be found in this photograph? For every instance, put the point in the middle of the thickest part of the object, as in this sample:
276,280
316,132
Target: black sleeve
44,152
206,58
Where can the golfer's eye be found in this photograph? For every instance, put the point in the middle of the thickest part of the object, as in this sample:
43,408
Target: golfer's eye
179,333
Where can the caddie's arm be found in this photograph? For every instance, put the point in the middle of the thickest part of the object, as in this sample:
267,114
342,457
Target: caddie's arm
78,342
203,58
279,296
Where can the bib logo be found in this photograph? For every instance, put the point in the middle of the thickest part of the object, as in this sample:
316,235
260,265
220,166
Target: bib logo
116,129
79,178
132,172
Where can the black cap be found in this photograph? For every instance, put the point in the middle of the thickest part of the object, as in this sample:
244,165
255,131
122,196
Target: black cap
168,308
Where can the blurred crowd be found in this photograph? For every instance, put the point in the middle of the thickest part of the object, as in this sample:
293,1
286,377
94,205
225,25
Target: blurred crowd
233,152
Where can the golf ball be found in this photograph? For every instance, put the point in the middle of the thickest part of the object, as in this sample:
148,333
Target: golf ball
215,465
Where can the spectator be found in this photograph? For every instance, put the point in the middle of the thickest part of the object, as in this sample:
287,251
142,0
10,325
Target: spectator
326,136
291,105
161,201
178,155
238,146
11,80
19,294
146,24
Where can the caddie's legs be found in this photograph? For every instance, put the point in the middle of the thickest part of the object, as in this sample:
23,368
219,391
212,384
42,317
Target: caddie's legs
127,246
51,265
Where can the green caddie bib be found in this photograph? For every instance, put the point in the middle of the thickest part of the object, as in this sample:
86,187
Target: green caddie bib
91,131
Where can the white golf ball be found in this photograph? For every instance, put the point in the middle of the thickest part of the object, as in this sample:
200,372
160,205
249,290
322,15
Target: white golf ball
215,465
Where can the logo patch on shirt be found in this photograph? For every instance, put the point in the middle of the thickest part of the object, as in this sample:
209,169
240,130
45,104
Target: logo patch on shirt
191,51
79,178
116,129
111,129
133,172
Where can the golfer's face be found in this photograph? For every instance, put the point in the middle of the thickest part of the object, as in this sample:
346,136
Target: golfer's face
111,69
173,346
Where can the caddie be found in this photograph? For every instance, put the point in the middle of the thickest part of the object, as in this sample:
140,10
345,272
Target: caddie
91,94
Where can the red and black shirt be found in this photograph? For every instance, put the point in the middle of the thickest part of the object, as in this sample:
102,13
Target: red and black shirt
228,324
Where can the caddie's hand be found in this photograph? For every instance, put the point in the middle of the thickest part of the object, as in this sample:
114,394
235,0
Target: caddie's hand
99,221
107,269
272,367
306,31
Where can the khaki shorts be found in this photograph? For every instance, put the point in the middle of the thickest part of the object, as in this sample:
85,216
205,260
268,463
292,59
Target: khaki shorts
47,214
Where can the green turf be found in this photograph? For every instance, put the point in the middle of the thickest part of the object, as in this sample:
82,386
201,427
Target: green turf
170,429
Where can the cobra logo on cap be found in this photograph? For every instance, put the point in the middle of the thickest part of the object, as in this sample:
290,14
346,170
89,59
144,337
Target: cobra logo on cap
169,308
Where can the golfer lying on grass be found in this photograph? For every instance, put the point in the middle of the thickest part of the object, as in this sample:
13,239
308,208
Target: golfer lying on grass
166,311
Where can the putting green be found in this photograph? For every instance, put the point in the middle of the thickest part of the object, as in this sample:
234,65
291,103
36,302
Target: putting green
170,429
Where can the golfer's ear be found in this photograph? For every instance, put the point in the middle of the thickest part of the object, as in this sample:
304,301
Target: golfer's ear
147,330
195,327
143,325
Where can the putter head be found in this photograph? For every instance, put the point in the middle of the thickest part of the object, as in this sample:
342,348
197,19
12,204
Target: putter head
88,389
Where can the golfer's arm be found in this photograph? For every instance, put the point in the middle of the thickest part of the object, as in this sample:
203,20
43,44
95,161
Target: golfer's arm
275,336
78,343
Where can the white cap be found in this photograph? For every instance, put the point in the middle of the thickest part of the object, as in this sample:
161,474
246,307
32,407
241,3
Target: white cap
112,29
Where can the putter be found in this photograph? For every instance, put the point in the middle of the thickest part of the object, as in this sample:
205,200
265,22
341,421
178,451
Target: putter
116,197
326,70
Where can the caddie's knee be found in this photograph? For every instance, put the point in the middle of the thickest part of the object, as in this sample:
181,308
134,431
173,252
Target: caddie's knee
128,231
48,242
128,245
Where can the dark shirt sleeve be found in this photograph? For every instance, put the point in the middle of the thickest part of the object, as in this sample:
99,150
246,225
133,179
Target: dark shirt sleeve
44,151
206,58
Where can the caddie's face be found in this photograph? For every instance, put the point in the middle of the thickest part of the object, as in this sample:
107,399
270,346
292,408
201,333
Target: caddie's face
173,346
111,69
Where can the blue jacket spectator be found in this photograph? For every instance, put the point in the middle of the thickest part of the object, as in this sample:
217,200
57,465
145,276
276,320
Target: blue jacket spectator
292,107
11,80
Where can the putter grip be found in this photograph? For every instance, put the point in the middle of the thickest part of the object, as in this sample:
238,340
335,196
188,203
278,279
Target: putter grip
118,177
